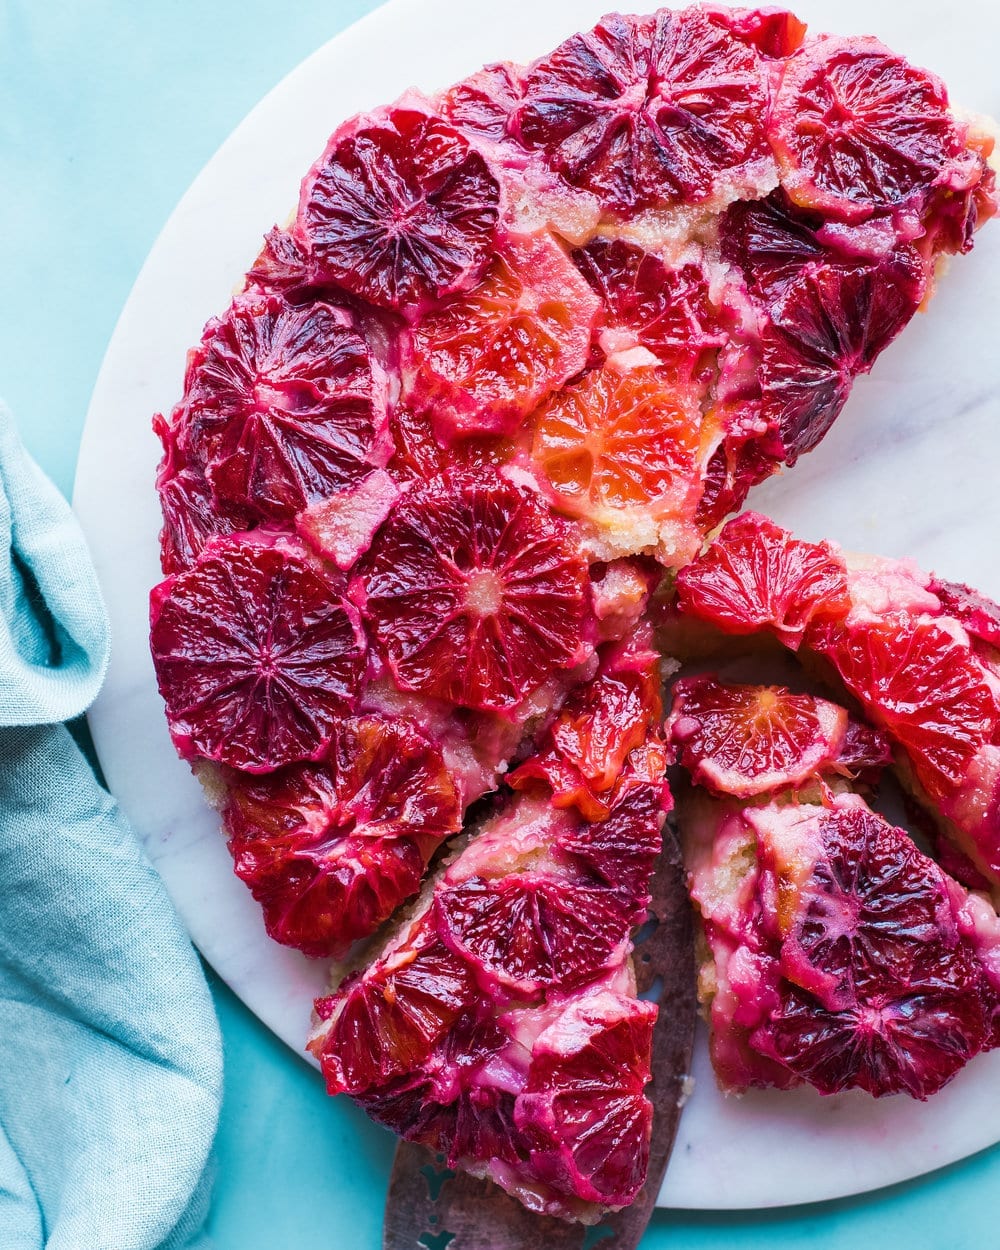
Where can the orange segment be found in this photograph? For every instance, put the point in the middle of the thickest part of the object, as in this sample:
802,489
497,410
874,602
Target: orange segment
923,686
857,130
621,440
748,740
482,361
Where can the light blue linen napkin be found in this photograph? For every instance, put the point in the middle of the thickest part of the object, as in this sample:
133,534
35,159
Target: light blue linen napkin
110,1057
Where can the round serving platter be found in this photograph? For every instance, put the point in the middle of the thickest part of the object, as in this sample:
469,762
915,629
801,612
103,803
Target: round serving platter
910,469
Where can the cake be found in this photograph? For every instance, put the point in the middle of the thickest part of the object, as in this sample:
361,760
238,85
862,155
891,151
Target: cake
524,344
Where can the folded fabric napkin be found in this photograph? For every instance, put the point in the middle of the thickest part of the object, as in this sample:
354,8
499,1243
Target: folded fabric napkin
111,1069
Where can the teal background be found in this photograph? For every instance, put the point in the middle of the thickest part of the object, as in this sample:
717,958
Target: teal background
108,109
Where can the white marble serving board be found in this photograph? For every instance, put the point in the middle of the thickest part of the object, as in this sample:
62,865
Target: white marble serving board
911,467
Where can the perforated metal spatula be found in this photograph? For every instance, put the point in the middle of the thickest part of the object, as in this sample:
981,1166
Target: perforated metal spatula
430,1207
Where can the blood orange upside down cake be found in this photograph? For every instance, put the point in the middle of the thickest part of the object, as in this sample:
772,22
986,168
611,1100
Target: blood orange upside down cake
523,345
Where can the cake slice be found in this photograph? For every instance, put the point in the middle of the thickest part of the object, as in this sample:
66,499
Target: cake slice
499,1023
919,655
835,953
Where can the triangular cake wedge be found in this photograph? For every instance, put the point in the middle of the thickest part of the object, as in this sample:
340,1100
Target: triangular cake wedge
920,655
835,953
499,1024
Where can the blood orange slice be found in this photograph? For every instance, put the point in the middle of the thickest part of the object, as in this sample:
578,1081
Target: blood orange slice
585,1111
583,753
755,576
483,1128
417,455
331,850
621,446
866,751
400,211
282,265
737,464
420,455
621,850
900,1040
475,592
923,686
828,326
771,241
827,314
646,303
869,905
530,931
481,104
458,1106
773,32
256,654
978,614
857,130
952,218
473,1126
485,359
191,514
385,1024
645,111
748,740
283,403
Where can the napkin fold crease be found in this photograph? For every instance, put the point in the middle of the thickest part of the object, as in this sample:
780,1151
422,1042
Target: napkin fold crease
110,1080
